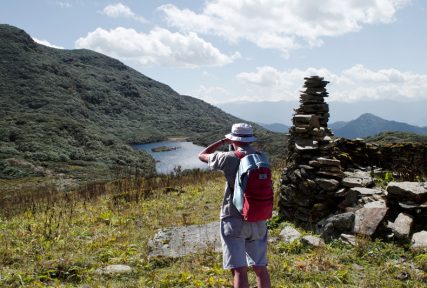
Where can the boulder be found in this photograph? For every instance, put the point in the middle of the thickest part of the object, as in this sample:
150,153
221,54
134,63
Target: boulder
312,241
289,234
367,220
335,225
410,191
419,240
401,226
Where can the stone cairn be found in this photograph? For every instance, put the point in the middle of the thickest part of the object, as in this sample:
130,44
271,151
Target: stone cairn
311,177
328,184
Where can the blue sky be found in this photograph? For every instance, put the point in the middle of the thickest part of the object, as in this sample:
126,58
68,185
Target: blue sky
236,50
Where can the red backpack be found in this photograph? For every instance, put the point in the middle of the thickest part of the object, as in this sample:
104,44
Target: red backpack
253,189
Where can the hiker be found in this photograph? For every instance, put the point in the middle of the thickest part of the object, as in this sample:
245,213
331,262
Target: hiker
243,243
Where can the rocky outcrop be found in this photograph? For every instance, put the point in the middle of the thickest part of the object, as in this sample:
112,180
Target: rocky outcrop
328,184
180,241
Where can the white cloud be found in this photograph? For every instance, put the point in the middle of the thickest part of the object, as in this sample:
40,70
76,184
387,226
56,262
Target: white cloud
121,11
159,47
353,84
46,43
213,94
282,24
64,4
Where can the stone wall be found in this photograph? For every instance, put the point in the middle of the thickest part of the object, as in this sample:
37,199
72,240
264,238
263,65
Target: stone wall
408,161
326,177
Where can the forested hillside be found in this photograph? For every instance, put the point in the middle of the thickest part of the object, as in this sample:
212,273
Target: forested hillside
76,111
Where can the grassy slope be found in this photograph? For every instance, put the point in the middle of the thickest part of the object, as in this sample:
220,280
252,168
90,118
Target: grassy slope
61,241
77,111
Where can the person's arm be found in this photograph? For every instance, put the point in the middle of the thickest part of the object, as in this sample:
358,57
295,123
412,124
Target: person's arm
204,155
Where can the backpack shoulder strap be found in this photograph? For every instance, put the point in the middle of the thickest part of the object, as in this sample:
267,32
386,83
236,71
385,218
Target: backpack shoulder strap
239,154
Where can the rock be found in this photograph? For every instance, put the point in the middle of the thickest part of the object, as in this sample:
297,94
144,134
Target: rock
114,269
328,162
303,214
307,186
180,241
350,199
289,234
306,167
358,196
313,241
337,174
414,209
402,276
375,204
312,121
301,130
412,191
336,225
333,169
419,240
327,184
342,192
412,206
312,108
304,145
314,163
367,220
402,226
348,238
357,179
361,191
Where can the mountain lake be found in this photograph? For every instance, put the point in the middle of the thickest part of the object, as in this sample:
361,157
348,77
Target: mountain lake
171,154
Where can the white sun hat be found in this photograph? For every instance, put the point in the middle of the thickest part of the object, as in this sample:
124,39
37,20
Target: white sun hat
241,132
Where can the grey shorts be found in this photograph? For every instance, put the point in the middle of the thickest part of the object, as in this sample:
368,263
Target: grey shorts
243,243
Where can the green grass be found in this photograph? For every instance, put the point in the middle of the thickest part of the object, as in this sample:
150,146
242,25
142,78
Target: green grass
396,137
60,241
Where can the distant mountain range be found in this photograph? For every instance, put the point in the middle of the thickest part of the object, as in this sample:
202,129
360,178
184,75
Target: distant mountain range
78,112
368,125
365,125
412,113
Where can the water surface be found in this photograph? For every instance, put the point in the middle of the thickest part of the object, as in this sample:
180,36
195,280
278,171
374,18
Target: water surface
185,155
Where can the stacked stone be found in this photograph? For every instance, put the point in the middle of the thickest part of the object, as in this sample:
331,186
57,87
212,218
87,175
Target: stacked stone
311,178
311,118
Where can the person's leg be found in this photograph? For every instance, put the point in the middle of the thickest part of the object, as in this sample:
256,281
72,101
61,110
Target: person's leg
262,277
240,277
234,254
256,254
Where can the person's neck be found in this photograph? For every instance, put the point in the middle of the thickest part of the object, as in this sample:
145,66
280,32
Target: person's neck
243,147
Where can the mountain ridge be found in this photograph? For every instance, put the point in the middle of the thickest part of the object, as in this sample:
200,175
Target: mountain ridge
369,124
